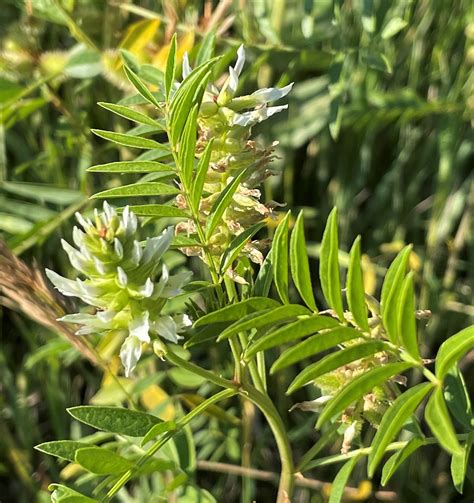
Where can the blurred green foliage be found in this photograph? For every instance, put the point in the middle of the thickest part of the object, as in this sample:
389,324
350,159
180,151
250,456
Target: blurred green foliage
379,124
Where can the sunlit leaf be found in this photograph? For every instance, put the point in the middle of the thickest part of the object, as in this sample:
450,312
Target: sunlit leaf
391,290
355,288
237,311
115,419
289,333
129,140
340,482
221,204
237,244
158,429
201,172
263,319
459,464
394,462
329,265
453,349
437,417
187,147
170,66
406,317
280,258
300,264
140,86
393,420
138,190
158,210
131,167
64,449
334,361
102,461
131,114
315,344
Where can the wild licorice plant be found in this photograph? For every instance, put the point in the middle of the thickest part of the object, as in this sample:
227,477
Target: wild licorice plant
210,170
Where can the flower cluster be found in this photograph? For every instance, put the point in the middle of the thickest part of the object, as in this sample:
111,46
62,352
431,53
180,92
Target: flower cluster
120,282
227,120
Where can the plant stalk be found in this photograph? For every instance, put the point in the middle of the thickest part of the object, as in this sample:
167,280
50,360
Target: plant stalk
267,408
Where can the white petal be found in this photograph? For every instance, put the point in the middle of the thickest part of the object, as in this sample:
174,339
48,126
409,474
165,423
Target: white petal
86,224
139,327
186,66
271,93
109,212
155,247
133,223
78,261
233,80
100,266
182,321
240,60
136,253
174,284
118,248
165,327
78,236
147,289
66,286
122,278
130,353
125,216
313,405
250,118
106,316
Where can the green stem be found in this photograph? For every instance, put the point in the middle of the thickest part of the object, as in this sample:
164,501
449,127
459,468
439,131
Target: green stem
257,378
394,446
227,393
267,408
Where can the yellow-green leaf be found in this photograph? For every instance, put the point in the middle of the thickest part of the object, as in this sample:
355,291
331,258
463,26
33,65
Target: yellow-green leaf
314,345
329,266
453,349
406,317
131,167
296,330
393,420
355,288
102,461
300,264
280,258
138,190
437,417
128,140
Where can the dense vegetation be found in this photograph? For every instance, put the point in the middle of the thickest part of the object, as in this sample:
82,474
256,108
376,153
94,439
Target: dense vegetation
378,125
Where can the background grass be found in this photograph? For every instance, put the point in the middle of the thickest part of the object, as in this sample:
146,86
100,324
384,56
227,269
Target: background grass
379,124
